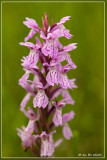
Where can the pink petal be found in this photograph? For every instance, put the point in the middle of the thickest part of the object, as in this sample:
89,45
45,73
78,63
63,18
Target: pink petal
64,19
25,100
24,78
58,142
67,131
70,62
28,44
30,35
67,97
67,34
68,116
70,47
30,23
72,84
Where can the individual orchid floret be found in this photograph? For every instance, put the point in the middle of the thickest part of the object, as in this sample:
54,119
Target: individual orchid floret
41,99
53,74
27,138
46,146
57,118
33,118
30,61
51,43
63,78
62,31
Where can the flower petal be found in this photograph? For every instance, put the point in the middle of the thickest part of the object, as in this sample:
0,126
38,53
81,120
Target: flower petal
68,116
30,35
67,97
70,47
30,23
70,62
67,131
23,79
67,34
72,83
58,142
25,100
28,44
64,19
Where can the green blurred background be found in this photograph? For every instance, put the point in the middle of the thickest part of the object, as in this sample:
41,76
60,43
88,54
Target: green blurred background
87,26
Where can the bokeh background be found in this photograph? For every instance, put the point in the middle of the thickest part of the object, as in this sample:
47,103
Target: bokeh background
87,26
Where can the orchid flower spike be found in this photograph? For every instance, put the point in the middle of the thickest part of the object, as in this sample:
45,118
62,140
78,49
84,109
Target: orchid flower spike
45,79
